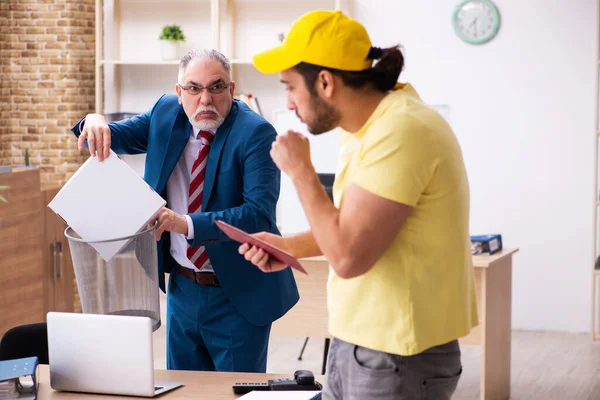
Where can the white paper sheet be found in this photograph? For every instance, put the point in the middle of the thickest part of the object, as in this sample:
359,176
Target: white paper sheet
106,200
280,395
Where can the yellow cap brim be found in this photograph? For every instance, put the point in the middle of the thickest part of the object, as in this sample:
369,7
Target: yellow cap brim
275,60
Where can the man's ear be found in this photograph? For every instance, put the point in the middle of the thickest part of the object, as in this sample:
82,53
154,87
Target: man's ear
325,83
178,91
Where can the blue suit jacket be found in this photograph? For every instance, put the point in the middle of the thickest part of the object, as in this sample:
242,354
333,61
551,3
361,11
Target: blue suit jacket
241,187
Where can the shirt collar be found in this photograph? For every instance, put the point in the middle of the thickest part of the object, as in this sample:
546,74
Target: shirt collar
196,132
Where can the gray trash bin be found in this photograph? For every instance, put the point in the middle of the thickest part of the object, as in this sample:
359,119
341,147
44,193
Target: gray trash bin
125,285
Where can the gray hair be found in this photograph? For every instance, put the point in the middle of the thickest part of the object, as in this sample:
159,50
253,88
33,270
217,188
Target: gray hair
203,54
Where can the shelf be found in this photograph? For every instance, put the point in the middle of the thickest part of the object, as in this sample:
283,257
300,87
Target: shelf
133,62
129,61
160,62
244,62
160,2
317,2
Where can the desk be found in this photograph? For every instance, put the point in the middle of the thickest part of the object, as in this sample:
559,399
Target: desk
493,285
198,385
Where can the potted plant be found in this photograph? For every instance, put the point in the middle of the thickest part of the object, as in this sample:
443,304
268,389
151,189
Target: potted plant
170,38
27,161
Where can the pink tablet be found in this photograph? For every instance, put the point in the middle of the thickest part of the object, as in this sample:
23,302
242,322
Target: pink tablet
240,236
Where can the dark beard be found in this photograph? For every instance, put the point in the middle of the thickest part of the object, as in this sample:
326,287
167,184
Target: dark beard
326,117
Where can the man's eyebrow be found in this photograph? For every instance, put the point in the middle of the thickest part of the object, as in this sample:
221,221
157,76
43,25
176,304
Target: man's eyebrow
220,80
284,81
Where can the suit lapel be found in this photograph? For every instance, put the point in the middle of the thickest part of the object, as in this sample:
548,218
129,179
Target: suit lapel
178,138
214,155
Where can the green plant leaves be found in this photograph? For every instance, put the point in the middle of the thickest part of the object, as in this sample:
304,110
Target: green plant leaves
172,33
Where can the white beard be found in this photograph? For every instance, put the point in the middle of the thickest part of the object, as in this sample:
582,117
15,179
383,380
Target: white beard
207,124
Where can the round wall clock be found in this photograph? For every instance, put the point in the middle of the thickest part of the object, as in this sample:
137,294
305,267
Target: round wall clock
476,21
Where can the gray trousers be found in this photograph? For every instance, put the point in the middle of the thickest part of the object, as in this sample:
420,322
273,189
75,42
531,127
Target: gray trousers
358,373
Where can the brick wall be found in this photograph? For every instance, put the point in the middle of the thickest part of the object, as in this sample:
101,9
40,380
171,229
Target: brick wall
46,82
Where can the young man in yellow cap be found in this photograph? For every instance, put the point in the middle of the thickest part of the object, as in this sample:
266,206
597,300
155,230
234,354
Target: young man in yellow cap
400,288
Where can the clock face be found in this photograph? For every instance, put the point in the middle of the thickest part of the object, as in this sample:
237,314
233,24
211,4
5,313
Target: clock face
476,21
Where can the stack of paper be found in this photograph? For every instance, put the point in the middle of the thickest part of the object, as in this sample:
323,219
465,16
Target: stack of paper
282,395
104,201
8,389
250,100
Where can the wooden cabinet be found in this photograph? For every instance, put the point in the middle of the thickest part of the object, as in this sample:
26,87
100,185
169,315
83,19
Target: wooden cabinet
58,265
21,255
28,285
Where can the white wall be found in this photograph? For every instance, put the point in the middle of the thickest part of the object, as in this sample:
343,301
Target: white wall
522,107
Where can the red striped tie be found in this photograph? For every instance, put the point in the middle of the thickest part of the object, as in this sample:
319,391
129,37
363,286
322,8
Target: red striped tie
197,254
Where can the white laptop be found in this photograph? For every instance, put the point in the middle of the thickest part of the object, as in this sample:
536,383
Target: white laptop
109,354
104,201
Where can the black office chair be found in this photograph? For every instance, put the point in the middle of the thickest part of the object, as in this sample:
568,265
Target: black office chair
327,183
25,341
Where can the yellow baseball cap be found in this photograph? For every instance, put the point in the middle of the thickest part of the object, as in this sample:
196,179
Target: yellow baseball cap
325,38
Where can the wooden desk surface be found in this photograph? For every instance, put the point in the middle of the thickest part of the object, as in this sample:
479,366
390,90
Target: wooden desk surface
197,385
489,261
478,261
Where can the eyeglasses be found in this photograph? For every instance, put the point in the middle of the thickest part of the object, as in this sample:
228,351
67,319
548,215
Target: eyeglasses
217,88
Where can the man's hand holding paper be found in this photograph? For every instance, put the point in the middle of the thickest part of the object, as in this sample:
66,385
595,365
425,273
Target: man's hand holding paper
95,129
170,221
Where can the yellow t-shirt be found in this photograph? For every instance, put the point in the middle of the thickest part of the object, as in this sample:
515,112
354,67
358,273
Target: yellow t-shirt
420,293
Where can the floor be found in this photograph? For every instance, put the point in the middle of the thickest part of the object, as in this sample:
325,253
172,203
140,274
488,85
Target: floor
545,365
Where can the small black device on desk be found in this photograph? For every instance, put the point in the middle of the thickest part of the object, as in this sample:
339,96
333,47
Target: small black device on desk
303,380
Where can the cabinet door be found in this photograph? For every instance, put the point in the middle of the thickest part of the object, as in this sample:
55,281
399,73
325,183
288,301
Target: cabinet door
21,244
58,266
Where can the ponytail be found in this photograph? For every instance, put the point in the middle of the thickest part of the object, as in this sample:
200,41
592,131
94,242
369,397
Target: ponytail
383,75
387,69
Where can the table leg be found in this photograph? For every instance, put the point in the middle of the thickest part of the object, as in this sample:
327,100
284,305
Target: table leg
303,347
325,353
496,332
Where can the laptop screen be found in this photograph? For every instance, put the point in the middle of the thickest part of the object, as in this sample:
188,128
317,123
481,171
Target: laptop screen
95,353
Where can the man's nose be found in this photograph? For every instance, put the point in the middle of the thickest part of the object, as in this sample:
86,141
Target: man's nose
290,104
205,97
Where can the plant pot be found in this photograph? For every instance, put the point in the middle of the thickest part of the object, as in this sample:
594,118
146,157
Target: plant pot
169,50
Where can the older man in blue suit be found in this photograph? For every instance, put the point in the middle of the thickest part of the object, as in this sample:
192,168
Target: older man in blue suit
208,156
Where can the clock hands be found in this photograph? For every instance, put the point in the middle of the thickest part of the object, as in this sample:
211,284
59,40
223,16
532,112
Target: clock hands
474,26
